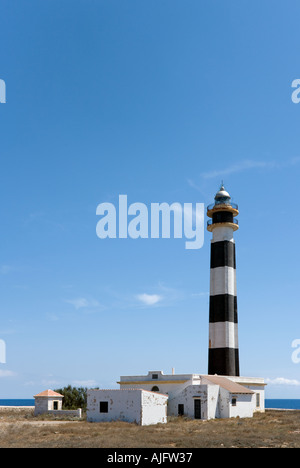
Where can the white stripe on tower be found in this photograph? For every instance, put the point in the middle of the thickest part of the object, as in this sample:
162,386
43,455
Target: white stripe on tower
223,323
223,335
222,281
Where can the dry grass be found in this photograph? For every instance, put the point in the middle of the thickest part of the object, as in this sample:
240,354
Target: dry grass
272,429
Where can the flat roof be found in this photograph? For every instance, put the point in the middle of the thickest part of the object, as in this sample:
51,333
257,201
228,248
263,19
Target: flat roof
126,390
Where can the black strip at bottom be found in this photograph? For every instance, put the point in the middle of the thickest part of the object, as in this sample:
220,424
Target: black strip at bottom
223,361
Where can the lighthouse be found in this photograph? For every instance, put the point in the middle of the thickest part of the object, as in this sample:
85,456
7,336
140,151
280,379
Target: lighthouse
223,353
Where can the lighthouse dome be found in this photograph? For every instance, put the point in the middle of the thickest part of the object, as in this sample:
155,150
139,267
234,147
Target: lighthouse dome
222,196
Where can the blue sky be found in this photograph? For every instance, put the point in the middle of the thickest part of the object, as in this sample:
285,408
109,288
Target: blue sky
158,100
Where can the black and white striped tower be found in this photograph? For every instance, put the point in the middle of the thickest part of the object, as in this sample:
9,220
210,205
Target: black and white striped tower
223,354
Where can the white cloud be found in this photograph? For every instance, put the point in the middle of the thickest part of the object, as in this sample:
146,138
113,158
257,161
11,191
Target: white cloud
200,294
52,317
82,303
6,269
149,299
30,383
246,165
282,381
50,383
238,167
6,373
85,383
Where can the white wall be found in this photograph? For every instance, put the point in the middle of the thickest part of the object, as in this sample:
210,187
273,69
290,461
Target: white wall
243,408
154,408
45,404
132,405
257,385
216,402
167,384
223,403
219,402
261,391
208,394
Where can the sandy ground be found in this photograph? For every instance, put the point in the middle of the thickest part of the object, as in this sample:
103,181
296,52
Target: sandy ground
34,423
21,415
19,428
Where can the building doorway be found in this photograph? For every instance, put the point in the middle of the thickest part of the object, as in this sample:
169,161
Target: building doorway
197,409
180,410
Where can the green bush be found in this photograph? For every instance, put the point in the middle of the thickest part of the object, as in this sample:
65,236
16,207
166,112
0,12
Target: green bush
74,397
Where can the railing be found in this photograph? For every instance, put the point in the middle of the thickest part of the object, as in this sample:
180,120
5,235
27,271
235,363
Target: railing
210,222
233,205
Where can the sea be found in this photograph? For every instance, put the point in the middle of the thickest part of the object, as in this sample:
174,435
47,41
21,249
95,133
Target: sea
269,403
16,402
282,404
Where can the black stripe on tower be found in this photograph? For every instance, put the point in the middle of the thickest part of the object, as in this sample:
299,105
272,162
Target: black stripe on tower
222,217
223,308
226,359
222,254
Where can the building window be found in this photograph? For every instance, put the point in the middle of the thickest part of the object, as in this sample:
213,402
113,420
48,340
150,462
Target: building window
154,376
103,406
233,401
257,400
155,389
180,410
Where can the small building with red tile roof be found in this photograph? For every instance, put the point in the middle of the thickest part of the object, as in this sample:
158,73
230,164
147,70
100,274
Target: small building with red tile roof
48,400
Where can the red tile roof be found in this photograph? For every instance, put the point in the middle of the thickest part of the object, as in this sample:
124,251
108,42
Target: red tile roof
48,393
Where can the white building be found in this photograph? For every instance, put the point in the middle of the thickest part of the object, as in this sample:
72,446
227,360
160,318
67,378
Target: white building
50,402
47,401
203,396
138,406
